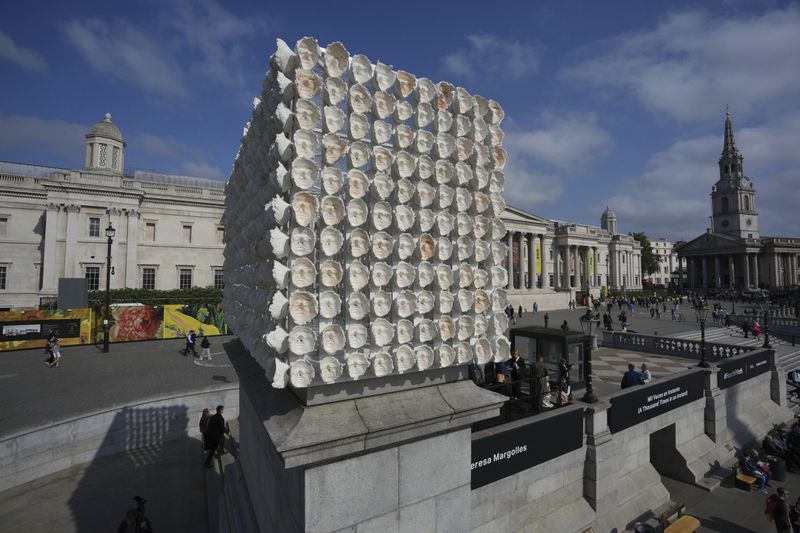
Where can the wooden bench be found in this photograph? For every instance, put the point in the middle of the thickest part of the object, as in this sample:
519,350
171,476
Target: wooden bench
743,481
674,521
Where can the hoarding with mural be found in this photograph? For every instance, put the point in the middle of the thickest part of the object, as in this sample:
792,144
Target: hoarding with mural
20,330
204,319
134,322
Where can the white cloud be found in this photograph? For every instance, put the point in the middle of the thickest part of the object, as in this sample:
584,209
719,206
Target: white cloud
52,137
693,62
202,170
24,57
490,55
181,157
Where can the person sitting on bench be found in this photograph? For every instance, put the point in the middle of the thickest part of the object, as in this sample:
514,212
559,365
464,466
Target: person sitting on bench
751,467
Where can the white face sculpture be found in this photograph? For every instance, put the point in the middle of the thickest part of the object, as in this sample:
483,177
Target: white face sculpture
356,335
425,273
426,247
465,328
358,274
381,158
463,173
424,302
332,209
359,242
424,165
303,272
496,135
382,332
465,299
331,180
301,373
425,219
361,68
482,302
425,194
482,250
334,119
302,307
336,59
463,223
382,245
406,304
405,358
481,278
381,303
502,350
426,90
303,241
497,182
499,276
381,274
405,275
356,212
381,215
464,352
357,183
404,217
446,299
465,276
499,252
405,190
443,124
425,141
307,51
463,199
483,351
446,355
405,246
463,125
304,206
500,322
444,276
332,339
481,176
445,196
360,100
330,304
279,305
330,369
304,172
403,110
465,248
357,365
498,204
444,171
357,306
359,154
464,148
359,126
405,331
381,132
302,340
335,91
481,155
383,186
306,83
498,229
382,364
481,226
444,221
499,300
334,147
306,114
479,129
330,273
403,136
384,76
445,248
481,202
331,241
425,115
480,325
446,328
405,164
424,357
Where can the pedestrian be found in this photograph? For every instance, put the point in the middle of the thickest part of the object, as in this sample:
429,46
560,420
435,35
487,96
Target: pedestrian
783,522
205,353
794,516
564,391
48,348
563,369
205,418
519,312
546,319
541,384
646,375
517,371
215,437
535,308
631,377
756,329
652,312
672,312
564,326
190,339
56,351
511,314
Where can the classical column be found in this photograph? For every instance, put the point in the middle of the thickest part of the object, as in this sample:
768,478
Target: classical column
731,273
116,260
573,280
691,273
521,252
72,240
755,271
704,267
531,245
510,259
717,278
131,267
49,267
746,271
543,279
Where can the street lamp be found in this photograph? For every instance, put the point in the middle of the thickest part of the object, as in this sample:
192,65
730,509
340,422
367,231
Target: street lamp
588,323
766,326
701,312
110,232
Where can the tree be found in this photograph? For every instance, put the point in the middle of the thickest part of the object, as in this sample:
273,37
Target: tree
649,259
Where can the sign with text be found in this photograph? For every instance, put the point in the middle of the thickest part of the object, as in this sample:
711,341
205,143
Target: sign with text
646,402
742,368
507,452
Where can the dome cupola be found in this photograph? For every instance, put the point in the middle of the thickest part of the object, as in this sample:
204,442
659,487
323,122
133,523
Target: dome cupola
105,147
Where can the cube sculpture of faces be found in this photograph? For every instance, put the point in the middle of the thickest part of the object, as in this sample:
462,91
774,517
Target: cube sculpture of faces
410,182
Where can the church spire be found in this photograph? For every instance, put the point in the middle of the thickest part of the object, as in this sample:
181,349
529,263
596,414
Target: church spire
729,146
730,161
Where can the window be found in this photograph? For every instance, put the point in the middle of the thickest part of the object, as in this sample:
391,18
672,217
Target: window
3,274
150,231
724,204
219,282
103,150
187,233
551,280
623,258
149,278
747,203
3,226
185,278
93,278
220,235
114,157
94,226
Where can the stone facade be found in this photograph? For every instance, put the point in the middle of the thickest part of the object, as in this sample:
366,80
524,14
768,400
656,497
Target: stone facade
669,265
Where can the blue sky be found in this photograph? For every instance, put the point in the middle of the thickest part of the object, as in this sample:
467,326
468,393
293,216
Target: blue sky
618,104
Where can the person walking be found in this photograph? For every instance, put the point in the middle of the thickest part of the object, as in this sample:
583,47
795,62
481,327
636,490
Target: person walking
646,375
535,308
48,348
541,383
56,351
783,521
205,419
190,340
563,369
215,437
517,367
205,352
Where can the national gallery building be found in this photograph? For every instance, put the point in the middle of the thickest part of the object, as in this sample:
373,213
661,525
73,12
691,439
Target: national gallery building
732,254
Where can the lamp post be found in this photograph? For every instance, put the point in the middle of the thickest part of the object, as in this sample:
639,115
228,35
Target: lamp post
766,327
110,232
701,312
588,322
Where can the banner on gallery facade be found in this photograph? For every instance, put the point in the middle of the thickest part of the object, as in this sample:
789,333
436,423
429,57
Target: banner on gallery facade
20,330
742,368
538,259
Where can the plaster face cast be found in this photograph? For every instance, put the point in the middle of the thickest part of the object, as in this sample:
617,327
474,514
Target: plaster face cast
502,350
405,190
499,252
357,306
406,304
279,242
463,126
464,352
332,208
481,227
405,83
383,104
481,278
445,196
425,194
500,322
357,183
497,114
306,114
465,248
382,332
445,248
483,351
425,273
446,299
334,147
424,357
383,186
280,208
405,246
305,143
405,358
382,245
330,369
356,212
304,206
332,339
405,275
465,328
404,217
356,335
331,180
463,200
359,154
464,223
381,158
302,340
464,148
446,328
381,274
281,375
359,126
444,221
382,365
303,273
424,302
403,136
361,68
330,304
426,247
497,182
359,242
330,273
425,219
444,276
306,83
424,115
279,306
334,119
445,145
481,325
280,273
482,302
442,125
381,303
335,91
465,300
301,373
381,215
426,90
498,204
499,276
360,100
479,129
499,300
405,331
331,240
303,241
357,365
302,307
278,339
447,355
403,111
405,164
463,174
480,106
337,59
444,171
384,76
381,132
358,274
481,176
307,51
498,229
464,275
425,141
482,155
481,202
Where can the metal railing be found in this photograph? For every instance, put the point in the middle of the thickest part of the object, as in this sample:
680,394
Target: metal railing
528,401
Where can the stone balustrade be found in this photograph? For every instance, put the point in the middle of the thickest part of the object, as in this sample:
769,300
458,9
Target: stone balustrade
671,346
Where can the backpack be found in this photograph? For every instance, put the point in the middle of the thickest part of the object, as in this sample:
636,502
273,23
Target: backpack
771,507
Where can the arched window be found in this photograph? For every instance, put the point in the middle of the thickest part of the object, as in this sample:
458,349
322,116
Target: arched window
724,204
747,203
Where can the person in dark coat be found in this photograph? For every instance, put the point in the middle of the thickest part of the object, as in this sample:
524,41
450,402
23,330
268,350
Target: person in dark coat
517,365
216,429
190,340
631,377
563,369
